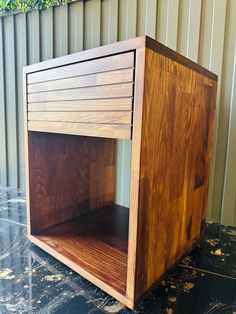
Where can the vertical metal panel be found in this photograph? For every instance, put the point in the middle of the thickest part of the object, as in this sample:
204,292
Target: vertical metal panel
224,108
3,141
228,112
46,34
131,26
92,23
211,49
127,19
21,61
189,28
212,35
109,21
33,37
167,22
207,22
76,21
10,99
61,31
229,200
203,30
122,19
146,16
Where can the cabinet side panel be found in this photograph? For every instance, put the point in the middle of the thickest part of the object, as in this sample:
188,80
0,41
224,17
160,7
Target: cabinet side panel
26,150
177,131
135,171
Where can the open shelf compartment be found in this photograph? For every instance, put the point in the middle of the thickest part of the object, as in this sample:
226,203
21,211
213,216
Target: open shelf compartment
72,204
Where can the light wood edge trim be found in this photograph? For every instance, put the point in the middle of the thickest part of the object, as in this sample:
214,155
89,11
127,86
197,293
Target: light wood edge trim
99,283
116,48
26,150
135,172
93,53
63,128
94,66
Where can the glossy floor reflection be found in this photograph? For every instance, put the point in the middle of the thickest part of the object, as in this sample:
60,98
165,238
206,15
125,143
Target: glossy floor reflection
31,281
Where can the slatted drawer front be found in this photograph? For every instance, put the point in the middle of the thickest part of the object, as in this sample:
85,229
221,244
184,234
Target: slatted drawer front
88,98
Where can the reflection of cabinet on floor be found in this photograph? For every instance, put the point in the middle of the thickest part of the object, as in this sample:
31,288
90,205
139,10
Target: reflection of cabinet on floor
81,109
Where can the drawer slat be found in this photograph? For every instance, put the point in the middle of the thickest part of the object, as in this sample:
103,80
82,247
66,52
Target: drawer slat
119,131
105,91
91,98
119,61
117,117
83,105
111,77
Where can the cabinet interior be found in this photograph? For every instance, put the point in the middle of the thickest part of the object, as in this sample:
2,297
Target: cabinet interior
76,201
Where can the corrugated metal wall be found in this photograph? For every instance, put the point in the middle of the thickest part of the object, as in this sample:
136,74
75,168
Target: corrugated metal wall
203,30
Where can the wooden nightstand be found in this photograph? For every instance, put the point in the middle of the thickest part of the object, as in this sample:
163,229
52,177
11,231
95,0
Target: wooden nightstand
76,108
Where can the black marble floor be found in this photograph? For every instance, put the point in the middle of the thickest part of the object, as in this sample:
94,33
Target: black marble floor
31,281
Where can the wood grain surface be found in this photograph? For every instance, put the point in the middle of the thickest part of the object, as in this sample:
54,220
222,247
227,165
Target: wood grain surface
177,132
121,131
112,104
103,78
62,170
120,61
119,117
96,241
94,92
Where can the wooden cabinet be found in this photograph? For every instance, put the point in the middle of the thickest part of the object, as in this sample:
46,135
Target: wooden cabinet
76,109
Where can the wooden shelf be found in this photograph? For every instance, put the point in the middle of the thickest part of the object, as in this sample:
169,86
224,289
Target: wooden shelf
97,242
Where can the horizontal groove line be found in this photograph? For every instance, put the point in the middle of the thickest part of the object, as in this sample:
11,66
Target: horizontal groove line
88,111
77,99
66,89
67,78
57,66
78,87
75,122
86,99
85,111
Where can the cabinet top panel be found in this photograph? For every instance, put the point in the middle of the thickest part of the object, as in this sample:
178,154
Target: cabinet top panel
119,47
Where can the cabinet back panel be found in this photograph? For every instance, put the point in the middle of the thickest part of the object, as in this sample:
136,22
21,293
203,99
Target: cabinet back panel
69,175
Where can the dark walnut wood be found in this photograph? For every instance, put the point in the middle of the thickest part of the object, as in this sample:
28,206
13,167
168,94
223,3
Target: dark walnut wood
68,175
177,133
98,242
76,107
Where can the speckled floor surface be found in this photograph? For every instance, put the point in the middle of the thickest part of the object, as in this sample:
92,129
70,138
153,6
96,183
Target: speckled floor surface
31,281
